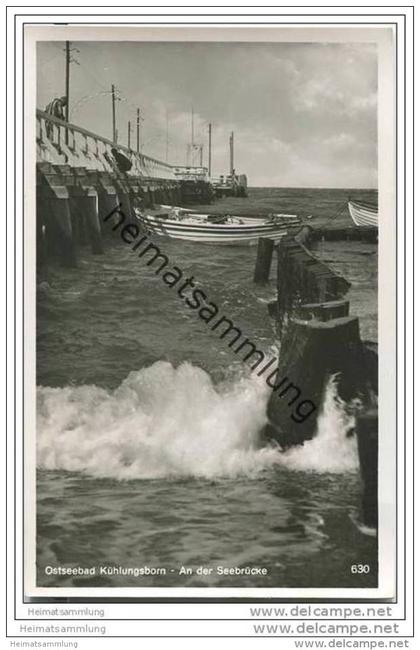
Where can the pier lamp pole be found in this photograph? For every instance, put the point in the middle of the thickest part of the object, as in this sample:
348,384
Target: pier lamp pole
129,135
67,107
138,130
167,136
231,153
114,132
209,149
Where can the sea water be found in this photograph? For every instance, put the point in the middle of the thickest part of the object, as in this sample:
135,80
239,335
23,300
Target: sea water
149,451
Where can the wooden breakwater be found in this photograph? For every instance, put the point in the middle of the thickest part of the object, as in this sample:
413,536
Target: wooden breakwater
318,339
368,234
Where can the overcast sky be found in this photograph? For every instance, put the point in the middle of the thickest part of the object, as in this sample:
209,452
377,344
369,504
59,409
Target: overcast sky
304,114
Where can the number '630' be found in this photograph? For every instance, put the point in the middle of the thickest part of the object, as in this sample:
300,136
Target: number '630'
360,568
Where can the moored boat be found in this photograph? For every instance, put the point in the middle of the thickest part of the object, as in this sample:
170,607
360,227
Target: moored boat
216,229
363,214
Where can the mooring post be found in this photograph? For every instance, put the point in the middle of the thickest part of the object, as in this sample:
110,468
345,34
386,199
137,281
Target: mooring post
367,444
263,261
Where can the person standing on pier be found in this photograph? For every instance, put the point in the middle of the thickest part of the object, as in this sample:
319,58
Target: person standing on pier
56,109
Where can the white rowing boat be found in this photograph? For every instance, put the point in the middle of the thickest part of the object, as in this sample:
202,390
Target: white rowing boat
215,229
363,214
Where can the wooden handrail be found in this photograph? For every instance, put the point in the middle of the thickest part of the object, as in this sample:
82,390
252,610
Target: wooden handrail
72,127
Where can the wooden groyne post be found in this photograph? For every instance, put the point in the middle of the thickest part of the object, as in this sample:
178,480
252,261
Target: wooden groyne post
263,262
367,445
319,339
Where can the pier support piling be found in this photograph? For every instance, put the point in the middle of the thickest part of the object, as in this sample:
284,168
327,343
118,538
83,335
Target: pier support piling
78,220
88,206
107,203
41,240
124,200
59,227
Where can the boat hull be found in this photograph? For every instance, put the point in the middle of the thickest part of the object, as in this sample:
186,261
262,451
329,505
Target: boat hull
363,215
228,241
246,233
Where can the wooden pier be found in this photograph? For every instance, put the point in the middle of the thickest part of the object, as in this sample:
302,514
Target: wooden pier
82,176
318,338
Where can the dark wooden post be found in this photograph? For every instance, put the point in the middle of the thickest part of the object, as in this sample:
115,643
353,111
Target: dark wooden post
60,221
263,262
89,206
367,444
311,351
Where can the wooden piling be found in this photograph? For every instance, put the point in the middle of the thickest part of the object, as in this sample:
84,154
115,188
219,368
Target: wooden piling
318,340
367,444
107,203
263,261
78,222
124,200
159,196
150,197
323,311
89,208
303,279
61,230
41,241
273,310
310,352
368,234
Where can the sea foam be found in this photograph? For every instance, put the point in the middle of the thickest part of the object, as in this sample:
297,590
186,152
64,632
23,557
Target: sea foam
166,421
331,449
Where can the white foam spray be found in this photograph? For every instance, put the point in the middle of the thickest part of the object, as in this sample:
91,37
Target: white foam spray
164,421
331,449
160,422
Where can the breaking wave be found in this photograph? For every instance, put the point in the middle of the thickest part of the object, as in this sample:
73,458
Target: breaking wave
332,449
165,421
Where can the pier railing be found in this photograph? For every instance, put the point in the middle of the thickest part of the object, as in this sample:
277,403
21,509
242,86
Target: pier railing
60,142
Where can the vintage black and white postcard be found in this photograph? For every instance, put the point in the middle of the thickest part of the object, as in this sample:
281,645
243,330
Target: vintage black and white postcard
210,228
